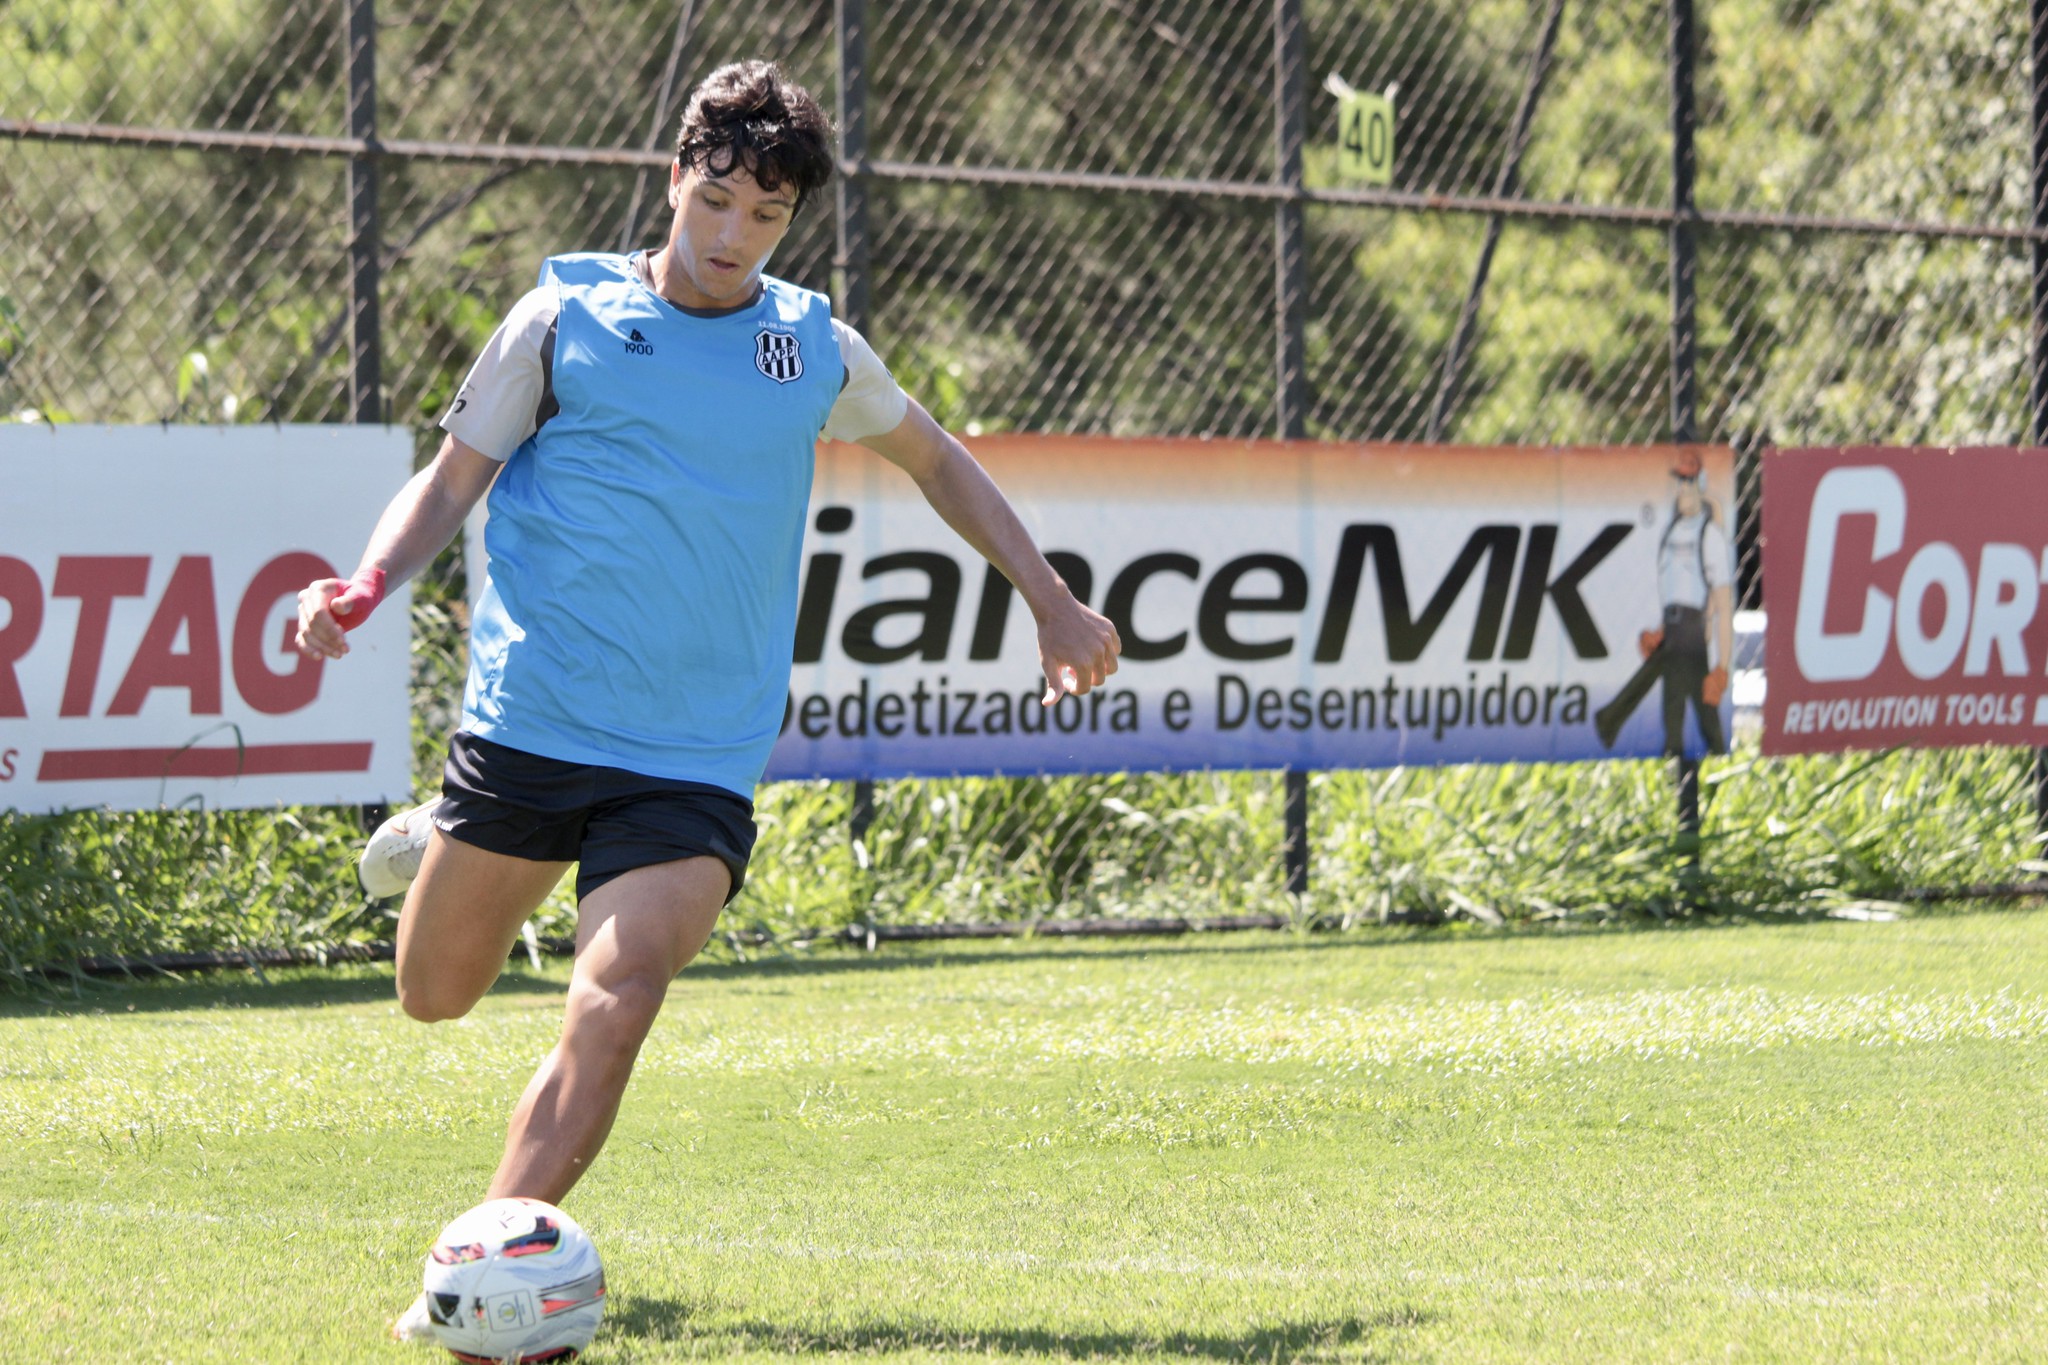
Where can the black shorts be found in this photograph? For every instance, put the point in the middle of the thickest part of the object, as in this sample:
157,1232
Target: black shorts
606,820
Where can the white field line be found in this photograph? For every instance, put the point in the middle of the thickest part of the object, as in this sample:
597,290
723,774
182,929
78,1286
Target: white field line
91,1212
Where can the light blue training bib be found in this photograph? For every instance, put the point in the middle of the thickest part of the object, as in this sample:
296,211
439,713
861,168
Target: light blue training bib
645,543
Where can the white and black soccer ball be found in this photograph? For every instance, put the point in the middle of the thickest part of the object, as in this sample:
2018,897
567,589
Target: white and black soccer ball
514,1280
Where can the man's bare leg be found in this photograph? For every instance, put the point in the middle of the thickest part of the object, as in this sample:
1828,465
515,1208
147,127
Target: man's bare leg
633,935
462,915
461,918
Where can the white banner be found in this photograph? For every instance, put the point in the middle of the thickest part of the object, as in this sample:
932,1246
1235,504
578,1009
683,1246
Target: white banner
148,591
1281,604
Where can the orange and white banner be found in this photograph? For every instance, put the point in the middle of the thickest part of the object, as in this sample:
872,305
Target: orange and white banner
149,579
1281,604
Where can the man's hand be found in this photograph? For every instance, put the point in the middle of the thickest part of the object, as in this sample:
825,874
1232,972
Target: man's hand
329,607
1077,648
1649,641
1715,687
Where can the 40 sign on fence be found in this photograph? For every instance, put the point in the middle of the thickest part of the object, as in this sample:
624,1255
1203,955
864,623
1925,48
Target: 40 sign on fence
1906,596
149,579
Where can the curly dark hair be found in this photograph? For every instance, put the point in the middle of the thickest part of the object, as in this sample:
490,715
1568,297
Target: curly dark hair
752,115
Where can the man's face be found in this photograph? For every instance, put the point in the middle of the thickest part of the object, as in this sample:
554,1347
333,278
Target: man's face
725,228
1688,498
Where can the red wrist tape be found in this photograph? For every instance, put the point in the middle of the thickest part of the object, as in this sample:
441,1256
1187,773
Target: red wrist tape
353,605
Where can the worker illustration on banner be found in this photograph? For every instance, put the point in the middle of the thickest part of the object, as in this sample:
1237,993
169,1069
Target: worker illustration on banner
1690,647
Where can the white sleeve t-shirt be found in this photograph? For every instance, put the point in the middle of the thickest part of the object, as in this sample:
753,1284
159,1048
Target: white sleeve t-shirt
508,393
1694,559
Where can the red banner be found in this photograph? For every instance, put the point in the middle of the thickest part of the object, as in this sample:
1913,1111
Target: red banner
1905,591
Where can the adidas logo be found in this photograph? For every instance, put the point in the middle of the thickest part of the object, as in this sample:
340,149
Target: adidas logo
638,345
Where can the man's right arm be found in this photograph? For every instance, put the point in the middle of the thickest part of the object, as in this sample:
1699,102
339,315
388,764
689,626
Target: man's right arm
505,399
417,525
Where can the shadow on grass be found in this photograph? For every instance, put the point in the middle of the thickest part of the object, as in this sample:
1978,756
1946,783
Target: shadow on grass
1365,938
1368,1337
292,988
353,984
360,983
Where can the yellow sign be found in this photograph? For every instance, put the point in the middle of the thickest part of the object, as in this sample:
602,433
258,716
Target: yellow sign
1365,138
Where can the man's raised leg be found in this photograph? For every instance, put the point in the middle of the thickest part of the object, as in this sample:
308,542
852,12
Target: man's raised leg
633,935
461,918
462,915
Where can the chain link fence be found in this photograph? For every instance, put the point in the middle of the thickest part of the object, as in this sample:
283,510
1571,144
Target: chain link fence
1742,221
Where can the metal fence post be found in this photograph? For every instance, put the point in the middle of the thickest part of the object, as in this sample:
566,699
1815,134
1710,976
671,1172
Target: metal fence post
850,256
1290,256
365,371
1290,319
1684,335
359,33
2037,386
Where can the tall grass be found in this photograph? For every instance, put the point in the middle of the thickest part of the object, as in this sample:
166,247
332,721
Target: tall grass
1517,842
1522,842
90,883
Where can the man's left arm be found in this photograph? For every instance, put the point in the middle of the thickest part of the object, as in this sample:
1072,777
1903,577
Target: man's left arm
1077,647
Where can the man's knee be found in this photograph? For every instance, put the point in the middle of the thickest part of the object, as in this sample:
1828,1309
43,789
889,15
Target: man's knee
433,1001
430,1008
610,1019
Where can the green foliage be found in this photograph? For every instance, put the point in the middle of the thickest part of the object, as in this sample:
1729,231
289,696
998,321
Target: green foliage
1516,843
1011,309
1885,110
1591,840
90,883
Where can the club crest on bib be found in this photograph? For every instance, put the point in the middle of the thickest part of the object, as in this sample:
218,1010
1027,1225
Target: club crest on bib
777,355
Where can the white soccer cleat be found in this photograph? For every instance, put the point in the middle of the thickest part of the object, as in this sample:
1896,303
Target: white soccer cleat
415,1324
392,859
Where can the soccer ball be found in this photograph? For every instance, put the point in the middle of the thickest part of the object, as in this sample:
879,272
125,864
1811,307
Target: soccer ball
514,1280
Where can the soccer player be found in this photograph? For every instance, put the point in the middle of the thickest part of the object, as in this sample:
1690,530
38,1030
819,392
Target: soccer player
645,425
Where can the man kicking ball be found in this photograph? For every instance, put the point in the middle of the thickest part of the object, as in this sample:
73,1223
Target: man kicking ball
645,426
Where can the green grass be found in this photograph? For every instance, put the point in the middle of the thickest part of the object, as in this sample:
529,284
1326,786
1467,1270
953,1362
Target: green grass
1736,1141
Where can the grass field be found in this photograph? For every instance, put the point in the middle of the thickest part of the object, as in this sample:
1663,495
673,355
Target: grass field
1805,1142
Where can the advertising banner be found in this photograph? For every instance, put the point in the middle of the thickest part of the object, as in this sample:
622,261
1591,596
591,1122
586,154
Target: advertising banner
149,579
1280,603
1904,590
